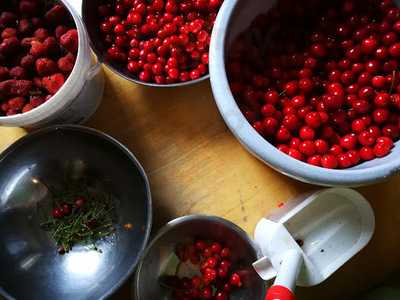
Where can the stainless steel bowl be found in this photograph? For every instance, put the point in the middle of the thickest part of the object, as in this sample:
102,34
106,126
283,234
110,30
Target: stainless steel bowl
146,285
31,268
89,15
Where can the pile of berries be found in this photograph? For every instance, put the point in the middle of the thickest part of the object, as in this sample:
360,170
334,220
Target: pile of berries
160,41
65,209
320,80
38,47
217,279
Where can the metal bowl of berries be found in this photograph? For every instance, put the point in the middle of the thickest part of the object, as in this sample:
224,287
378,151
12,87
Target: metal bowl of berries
312,88
156,43
199,257
75,215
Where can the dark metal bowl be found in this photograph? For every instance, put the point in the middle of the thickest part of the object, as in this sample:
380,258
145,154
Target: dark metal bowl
90,18
31,268
243,253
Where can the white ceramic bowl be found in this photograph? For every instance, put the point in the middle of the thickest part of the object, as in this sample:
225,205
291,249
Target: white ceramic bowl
234,17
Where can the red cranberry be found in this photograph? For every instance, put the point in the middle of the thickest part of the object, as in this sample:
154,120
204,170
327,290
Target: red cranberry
329,161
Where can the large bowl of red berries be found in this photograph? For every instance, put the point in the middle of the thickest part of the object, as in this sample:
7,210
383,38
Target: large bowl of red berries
199,257
312,88
160,43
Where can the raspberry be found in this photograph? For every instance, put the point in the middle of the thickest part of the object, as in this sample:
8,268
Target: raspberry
26,42
9,46
59,31
57,14
36,101
69,40
45,66
37,22
25,27
51,45
7,18
27,62
18,73
13,87
28,7
41,34
38,49
27,107
66,63
37,82
16,103
8,32
53,83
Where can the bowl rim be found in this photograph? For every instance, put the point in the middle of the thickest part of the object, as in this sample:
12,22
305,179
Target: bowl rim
101,58
180,221
99,134
260,147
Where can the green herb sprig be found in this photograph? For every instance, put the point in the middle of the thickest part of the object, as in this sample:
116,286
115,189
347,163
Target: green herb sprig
85,224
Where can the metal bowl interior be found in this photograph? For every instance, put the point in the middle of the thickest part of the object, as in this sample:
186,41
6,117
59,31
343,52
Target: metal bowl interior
184,229
90,18
32,268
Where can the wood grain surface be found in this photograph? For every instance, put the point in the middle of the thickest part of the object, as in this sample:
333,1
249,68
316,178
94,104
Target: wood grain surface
195,165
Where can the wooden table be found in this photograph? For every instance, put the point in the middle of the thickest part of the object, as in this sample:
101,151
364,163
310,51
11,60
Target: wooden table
195,165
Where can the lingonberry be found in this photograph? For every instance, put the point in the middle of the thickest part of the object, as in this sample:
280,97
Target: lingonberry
57,213
380,115
235,280
329,161
306,133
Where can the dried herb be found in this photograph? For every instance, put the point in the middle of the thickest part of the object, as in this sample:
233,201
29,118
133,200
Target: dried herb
80,215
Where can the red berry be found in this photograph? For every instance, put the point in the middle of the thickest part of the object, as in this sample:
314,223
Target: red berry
329,161
321,146
66,209
69,40
80,202
381,150
307,148
306,133
313,119
344,161
57,213
221,295
368,45
394,50
207,252
53,83
295,143
380,115
295,154
209,275
225,252
314,160
196,282
378,82
206,293
367,153
283,134
358,125
235,280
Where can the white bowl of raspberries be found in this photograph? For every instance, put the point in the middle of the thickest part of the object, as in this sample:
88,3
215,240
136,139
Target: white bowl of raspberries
312,88
46,75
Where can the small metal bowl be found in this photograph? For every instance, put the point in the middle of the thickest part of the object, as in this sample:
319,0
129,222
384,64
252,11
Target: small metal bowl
31,267
90,18
146,284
